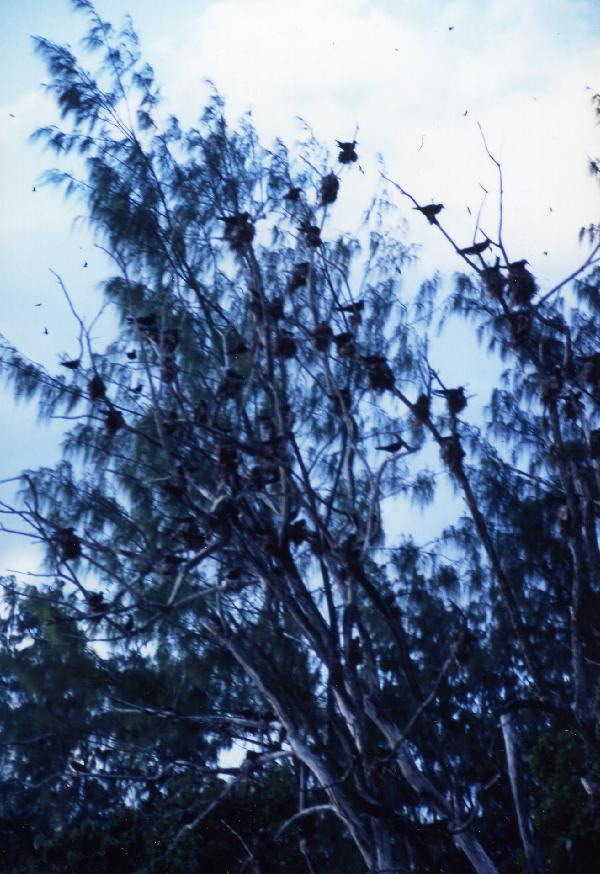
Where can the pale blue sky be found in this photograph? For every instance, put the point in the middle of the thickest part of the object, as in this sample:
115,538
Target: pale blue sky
395,68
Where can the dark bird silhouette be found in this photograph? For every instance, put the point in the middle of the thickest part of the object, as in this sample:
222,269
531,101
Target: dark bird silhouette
330,185
146,322
293,194
114,421
521,284
97,388
85,264
494,281
476,248
421,408
357,307
394,446
589,368
520,326
312,234
239,230
347,153
285,345
379,373
299,276
71,364
431,211
230,384
322,334
455,398
68,543
452,452
132,355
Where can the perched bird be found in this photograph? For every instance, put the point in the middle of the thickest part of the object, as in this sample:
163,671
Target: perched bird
421,408
239,230
293,194
285,345
494,281
347,153
322,335
299,276
330,185
132,355
357,307
379,373
394,446
114,421
476,248
68,543
431,211
312,234
452,452
71,364
455,398
96,388
521,284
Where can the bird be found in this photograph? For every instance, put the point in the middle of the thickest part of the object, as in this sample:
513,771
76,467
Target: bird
114,421
68,543
97,388
330,185
132,355
394,446
421,407
476,248
293,194
347,153
455,398
71,364
299,276
353,308
431,211
312,233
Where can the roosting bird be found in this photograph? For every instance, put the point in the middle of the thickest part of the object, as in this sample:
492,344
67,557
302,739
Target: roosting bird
357,307
72,364
293,194
299,276
68,543
330,185
394,446
239,230
312,234
96,388
347,153
521,283
455,398
476,248
431,211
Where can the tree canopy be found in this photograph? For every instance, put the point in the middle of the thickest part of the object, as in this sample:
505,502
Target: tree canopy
228,555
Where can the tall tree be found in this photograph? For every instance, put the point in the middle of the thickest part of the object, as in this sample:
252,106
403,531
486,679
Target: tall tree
215,535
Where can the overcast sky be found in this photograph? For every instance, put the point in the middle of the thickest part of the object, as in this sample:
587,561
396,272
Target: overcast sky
416,77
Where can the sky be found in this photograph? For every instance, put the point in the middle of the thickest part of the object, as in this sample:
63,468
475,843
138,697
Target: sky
415,77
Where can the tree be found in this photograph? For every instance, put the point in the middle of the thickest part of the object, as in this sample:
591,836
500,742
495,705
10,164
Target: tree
215,535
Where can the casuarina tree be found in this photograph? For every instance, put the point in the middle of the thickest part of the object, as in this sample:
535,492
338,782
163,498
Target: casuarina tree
226,541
